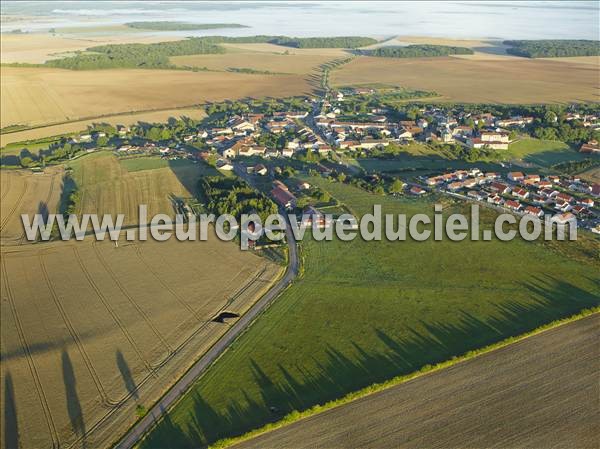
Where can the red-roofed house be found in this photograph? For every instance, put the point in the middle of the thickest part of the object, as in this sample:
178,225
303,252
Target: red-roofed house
283,197
532,210
512,204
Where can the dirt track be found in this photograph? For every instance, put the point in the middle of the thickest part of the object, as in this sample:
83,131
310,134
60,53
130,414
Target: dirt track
540,392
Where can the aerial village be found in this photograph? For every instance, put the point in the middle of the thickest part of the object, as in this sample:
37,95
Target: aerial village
333,128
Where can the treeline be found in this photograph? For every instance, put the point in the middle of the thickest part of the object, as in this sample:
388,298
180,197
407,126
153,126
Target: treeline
136,55
416,51
553,48
233,196
181,26
324,42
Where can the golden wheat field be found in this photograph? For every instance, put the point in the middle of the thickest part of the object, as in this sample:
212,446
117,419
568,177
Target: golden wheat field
118,119
25,193
38,96
36,48
92,330
107,187
302,64
509,80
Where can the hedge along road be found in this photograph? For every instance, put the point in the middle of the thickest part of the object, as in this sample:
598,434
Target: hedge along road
140,428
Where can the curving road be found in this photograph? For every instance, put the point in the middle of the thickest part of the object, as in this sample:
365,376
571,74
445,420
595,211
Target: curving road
155,413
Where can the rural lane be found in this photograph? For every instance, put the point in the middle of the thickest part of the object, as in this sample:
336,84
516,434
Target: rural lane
181,386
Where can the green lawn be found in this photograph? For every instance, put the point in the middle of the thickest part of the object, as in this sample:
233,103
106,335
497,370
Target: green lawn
364,312
145,163
542,152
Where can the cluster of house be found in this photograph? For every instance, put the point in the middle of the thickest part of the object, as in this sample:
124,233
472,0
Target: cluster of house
239,137
527,194
151,148
587,120
436,125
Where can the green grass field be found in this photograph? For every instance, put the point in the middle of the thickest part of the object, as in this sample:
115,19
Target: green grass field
144,163
363,312
406,166
542,152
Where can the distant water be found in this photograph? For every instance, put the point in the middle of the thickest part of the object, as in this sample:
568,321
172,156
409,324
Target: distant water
453,19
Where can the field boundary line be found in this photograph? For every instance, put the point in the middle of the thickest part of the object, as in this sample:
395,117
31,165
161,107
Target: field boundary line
296,416
32,368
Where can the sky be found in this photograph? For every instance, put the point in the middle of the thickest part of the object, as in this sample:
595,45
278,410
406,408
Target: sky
453,19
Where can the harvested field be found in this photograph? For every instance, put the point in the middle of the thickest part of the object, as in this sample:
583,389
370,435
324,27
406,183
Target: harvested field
151,305
24,192
540,392
36,48
280,49
517,80
38,96
77,126
91,330
277,63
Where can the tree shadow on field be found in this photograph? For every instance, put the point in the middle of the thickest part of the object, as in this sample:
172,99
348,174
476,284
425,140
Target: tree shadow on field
72,398
10,427
9,160
126,374
265,389
43,210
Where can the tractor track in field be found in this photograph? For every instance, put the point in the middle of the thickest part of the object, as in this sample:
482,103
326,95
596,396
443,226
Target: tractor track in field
30,362
106,401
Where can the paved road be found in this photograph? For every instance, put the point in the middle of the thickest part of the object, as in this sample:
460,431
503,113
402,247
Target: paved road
154,414
541,392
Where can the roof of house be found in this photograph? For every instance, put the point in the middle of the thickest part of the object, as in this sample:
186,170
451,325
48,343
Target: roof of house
282,196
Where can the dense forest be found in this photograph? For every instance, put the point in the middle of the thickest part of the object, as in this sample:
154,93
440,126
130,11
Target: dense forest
136,55
324,42
181,26
553,48
416,51
235,197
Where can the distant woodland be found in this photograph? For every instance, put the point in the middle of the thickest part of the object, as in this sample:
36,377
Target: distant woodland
416,51
553,48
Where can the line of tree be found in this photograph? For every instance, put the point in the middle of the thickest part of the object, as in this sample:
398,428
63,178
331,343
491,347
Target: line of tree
325,42
181,26
553,48
415,51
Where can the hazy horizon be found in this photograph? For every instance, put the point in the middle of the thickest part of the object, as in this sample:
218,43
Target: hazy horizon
452,19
